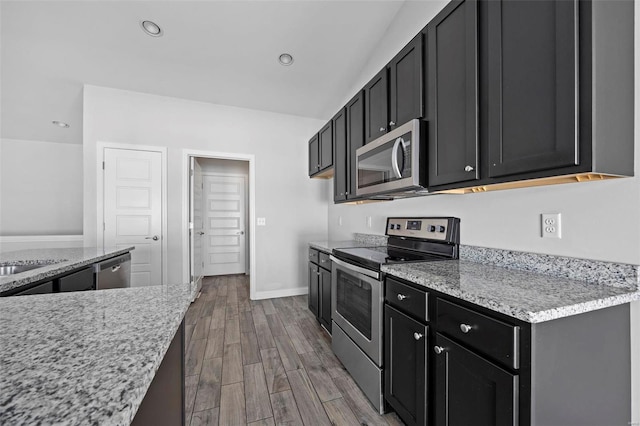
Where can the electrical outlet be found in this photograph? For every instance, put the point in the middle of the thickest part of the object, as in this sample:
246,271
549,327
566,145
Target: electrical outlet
262,221
551,225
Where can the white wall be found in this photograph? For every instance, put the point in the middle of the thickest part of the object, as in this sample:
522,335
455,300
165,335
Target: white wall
294,205
40,188
600,220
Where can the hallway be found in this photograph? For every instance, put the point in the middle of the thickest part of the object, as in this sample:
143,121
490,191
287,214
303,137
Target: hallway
265,362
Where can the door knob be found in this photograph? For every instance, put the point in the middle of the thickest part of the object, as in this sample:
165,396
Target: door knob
154,238
240,233
200,233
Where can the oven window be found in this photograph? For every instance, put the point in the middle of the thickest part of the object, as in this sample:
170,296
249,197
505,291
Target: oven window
353,301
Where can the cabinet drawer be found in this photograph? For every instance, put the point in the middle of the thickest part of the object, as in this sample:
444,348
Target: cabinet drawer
313,256
492,337
408,299
325,262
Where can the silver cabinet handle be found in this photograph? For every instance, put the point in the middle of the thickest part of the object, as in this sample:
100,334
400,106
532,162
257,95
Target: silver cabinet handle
438,349
392,123
154,238
468,169
401,297
382,129
418,336
465,328
115,268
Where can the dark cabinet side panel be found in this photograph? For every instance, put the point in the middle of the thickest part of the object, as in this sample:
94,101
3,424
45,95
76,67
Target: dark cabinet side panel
325,299
376,104
406,84
471,390
314,281
355,138
341,166
406,366
532,85
314,155
452,73
326,146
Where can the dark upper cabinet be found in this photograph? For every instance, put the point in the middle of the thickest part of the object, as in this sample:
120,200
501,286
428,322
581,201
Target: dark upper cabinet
314,282
376,97
324,312
314,155
326,146
341,166
355,139
405,350
470,390
452,85
532,87
406,87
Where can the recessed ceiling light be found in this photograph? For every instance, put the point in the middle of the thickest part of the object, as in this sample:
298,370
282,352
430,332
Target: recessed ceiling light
61,124
151,28
285,59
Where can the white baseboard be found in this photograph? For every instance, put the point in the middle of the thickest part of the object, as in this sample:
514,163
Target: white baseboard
259,295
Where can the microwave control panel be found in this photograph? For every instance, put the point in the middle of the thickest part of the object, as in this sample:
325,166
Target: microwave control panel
427,228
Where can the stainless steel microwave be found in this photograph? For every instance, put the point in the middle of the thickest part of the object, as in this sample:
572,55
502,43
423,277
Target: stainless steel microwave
394,165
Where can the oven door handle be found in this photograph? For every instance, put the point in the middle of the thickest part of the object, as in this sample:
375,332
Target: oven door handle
354,268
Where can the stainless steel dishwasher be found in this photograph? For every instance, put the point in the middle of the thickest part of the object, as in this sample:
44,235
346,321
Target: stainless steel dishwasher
114,272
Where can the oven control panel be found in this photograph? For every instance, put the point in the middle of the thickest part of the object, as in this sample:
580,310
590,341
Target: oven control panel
434,228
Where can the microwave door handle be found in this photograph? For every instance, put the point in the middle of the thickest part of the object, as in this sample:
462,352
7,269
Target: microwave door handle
394,158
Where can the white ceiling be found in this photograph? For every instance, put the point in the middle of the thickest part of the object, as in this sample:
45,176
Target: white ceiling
222,52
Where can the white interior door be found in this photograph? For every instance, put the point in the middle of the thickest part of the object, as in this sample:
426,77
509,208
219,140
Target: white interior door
196,232
225,202
133,210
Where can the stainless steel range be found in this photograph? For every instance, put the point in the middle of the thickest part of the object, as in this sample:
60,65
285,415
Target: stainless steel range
357,292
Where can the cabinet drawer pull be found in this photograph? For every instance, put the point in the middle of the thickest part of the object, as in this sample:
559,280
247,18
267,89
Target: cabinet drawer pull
465,328
382,129
418,336
438,349
392,123
401,296
468,169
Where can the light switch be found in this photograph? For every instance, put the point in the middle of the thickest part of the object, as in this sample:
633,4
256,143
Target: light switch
262,221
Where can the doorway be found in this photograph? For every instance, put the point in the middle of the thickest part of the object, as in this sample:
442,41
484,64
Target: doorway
219,239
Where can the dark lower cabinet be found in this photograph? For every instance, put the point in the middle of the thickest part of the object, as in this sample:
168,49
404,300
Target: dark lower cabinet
43,288
324,311
81,280
532,90
452,84
469,390
405,352
314,282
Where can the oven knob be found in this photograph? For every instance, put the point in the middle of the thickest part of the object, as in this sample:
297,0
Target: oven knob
432,228
441,228
398,226
392,226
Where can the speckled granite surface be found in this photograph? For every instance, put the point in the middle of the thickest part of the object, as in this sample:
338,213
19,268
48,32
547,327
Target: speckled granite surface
328,246
528,296
84,357
58,261
614,274
374,240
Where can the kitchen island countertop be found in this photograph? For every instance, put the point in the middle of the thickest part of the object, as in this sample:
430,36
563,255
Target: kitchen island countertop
58,261
84,357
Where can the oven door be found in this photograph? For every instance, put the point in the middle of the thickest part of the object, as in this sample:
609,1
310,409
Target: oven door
391,162
356,302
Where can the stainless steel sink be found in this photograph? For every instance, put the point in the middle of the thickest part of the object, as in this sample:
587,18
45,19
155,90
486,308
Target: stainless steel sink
16,269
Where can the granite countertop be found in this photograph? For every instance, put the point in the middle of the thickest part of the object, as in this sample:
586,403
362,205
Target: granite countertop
328,246
84,357
58,261
528,296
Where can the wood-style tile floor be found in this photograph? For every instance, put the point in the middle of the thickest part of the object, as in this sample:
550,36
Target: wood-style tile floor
265,362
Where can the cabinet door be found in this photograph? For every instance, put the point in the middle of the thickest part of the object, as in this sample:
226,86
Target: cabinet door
44,288
314,280
340,168
405,351
406,91
78,281
314,158
532,85
471,390
326,146
325,298
452,84
376,103
355,139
